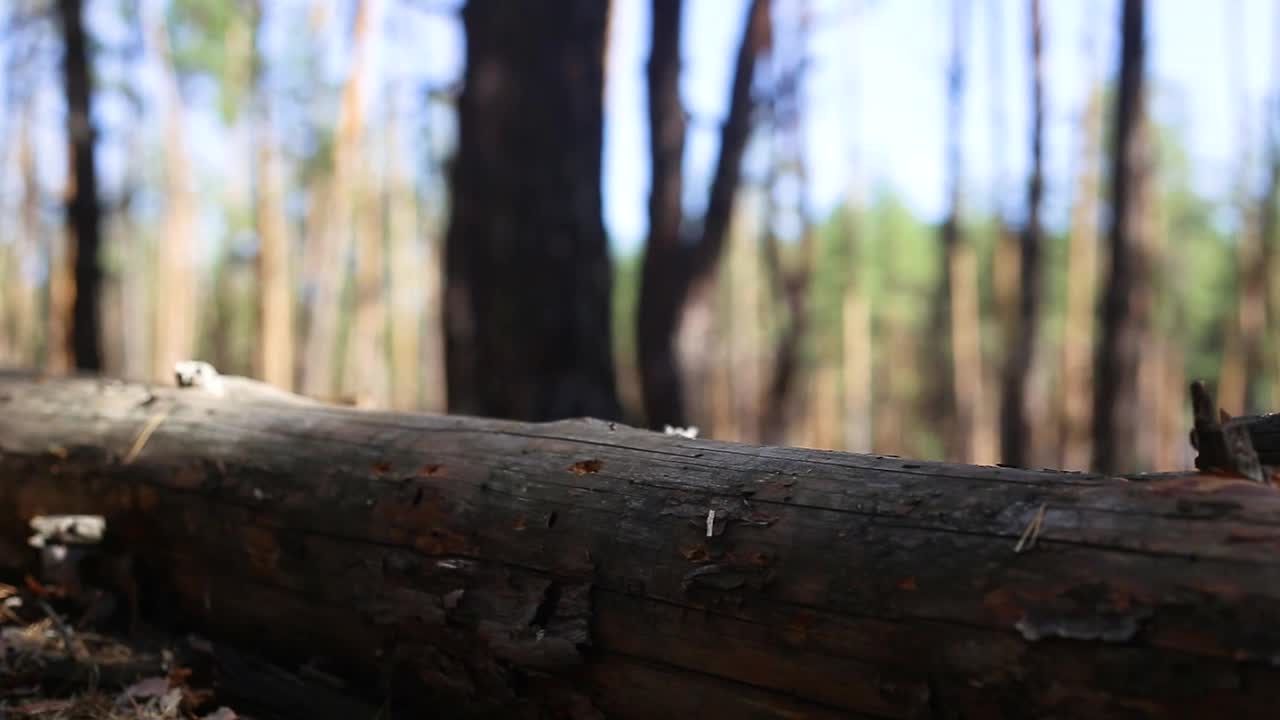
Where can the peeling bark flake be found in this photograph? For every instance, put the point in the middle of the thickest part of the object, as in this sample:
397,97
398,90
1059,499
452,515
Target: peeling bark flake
1107,627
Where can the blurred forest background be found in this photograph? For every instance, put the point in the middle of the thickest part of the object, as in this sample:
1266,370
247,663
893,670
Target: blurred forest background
982,230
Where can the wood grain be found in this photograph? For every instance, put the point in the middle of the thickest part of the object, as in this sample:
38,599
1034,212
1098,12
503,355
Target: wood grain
565,569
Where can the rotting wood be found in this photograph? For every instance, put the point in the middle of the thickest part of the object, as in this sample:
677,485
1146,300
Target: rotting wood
565,569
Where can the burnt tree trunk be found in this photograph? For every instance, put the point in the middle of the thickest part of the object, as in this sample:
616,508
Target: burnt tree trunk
1116,376
591,569
676,274
83,211
528,278
1015,426
792,281
968,427
659,305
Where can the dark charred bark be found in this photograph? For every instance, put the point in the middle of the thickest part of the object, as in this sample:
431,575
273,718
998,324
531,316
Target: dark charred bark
790,280
662,274
84,213
528,278
942,391
452,566
677,273
1015,426
1116,376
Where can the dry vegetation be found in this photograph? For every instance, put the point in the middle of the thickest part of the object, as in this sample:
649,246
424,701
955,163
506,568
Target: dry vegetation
54,668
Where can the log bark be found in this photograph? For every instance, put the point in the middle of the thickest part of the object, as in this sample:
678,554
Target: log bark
575,568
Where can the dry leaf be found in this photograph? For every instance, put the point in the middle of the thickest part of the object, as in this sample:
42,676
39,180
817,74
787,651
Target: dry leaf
147,688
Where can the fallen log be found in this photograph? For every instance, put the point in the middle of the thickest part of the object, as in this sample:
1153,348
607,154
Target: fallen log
586,569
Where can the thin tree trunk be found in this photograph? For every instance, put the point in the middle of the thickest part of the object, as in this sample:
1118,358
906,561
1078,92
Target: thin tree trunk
658,311
435,384
733,316
677,278
1156,362
1268,216
856,351
892,381
276,319
723,418
1076,387
84,215
941,399
10,287
136,305
1242,351
175,332
745,342
966,423
1123,318
59,353
20,292
1007,254
413,282
976,411
1174,451
855,315
333,236
1016,436
1253,315
529,282
791,280
792,284
824,407
367,351
10,290
275,355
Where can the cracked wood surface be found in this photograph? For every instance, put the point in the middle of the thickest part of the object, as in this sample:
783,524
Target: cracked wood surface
567,569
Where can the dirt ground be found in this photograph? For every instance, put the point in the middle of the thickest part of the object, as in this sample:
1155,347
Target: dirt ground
64,658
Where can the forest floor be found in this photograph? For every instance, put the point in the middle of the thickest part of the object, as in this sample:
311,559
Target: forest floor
53,669
62,658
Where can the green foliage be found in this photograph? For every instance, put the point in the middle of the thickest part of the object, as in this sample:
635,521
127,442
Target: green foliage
903,260
626,301
1194,284
833,272
216,39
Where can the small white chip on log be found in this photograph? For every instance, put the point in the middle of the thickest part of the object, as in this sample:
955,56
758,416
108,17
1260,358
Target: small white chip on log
199,374
67,529
689,432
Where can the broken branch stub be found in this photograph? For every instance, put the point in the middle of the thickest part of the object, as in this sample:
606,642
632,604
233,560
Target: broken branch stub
1227,444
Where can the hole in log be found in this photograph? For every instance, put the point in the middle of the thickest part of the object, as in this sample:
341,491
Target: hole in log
551,520
417,498
547,608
